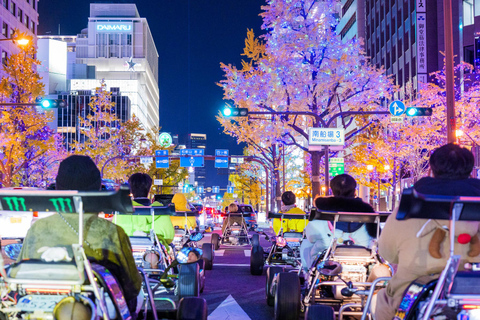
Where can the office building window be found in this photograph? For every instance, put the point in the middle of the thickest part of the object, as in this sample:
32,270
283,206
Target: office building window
32,26
4,57
5,30
20,15
34,4
468,12
13,8
469,54
5,4
27,21
12,32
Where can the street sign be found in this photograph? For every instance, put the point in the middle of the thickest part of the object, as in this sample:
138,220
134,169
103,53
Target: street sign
192,161
326,136
399,119
186,188
221,152
146,160
336,166
165,139
396,108
158,182
221,162
208,189
230,189
216,189
200,189
160,160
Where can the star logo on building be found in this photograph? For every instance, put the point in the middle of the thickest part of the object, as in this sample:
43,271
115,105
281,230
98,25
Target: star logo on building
131,64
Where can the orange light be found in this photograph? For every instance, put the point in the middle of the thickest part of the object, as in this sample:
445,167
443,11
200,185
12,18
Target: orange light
35,214
470,307
48,291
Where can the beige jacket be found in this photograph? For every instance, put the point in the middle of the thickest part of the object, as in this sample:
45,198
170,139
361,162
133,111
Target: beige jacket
405,243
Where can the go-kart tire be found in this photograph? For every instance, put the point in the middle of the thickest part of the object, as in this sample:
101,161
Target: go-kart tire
256,261
215,241
192,308
287,297
255,240
207,249
269,279
317,311
188,280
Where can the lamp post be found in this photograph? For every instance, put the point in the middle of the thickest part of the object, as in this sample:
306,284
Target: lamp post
20,41
374,170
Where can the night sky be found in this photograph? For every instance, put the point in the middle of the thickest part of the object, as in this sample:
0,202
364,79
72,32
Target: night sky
192,38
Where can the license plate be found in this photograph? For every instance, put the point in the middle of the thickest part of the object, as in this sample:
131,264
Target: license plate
15,220
45,303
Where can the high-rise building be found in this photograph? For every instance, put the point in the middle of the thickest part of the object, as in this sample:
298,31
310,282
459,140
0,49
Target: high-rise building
198,141
16,14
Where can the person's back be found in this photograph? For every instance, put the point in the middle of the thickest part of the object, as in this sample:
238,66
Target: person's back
234,216
104,242
140,184
289,207
422,246
182,205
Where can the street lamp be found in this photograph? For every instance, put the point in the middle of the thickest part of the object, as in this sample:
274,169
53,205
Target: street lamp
23,41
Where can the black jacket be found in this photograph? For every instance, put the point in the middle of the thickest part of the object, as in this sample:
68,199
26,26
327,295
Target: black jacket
347,205
447,187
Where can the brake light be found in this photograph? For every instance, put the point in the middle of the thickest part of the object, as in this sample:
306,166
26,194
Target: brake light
35,214
281,242
47,291
470,306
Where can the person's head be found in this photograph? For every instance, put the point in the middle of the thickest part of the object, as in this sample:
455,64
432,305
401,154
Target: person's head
180,202
288,198
140,184
232,207
78,173
451,161
343,185
193,256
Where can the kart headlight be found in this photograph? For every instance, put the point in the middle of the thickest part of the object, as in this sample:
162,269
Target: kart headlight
281,242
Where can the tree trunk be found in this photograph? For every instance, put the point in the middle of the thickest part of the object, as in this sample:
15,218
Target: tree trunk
315,157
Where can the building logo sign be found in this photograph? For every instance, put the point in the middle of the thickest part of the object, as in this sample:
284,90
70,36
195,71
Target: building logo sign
114,27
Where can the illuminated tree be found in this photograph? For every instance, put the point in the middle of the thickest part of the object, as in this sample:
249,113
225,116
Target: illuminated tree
304,69
24,132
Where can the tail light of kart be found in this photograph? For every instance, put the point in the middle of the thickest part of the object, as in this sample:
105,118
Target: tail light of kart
281,242
35,214
47,291
470,307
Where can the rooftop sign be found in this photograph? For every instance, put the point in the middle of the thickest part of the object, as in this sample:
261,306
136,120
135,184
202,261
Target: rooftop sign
114,27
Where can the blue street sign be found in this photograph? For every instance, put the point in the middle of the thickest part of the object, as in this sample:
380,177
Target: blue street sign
230,189
221,162
216,189
221,152
397,108
186,188
159,153
192,161
161,162
200,189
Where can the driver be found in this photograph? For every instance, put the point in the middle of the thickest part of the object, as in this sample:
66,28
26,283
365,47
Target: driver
104,242
411,243
289,207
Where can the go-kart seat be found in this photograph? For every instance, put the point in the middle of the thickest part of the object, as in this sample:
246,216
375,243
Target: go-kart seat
41,270
466,283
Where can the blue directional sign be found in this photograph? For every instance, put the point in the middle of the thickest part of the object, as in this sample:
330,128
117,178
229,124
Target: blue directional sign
221,162
230,189
160,160
221,152
187,188
186,161
216,189
397,108
200,189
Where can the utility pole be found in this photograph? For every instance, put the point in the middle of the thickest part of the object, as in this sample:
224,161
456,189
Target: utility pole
449,86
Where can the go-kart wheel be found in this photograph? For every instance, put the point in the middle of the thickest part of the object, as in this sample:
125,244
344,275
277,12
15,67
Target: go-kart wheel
318,311
207,249
192,308
256,261
270,274
188,280
216,241
255,240
287,297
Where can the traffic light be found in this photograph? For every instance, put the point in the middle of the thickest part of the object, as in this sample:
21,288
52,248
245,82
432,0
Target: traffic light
419,112
235,112
53,103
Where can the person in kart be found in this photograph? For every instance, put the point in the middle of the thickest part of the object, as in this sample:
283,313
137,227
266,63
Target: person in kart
233,219
289,207
182,205
419,247
104,242
319,233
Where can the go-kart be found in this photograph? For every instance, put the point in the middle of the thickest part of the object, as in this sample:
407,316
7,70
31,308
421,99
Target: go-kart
453,294
32,289
284,251
335,275
235,232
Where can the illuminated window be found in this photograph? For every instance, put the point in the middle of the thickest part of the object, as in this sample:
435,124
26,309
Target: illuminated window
13,8
467,12
5,30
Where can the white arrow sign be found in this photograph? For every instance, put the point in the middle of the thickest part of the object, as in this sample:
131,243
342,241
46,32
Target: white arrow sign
229,309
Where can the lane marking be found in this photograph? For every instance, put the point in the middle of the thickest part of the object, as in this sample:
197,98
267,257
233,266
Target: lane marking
229,309
231,264
247,253
219,253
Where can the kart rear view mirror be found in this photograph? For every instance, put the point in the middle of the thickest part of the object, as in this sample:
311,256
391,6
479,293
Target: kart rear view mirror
13,250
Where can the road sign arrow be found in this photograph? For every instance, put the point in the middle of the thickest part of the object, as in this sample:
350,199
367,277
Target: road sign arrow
228,309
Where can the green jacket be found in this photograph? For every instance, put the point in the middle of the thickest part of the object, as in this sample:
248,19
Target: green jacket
105,243
163,226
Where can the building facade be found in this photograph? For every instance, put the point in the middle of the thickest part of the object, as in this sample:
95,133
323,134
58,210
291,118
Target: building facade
16,14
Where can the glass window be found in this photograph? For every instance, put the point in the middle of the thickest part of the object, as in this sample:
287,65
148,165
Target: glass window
5,4
5,30
32,26
13,8
34,4
467,12
27,21
20,15
12,32
4,57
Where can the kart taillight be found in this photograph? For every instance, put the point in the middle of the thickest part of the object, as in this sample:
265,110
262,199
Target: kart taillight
470,307
47,291
35,214
281,242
